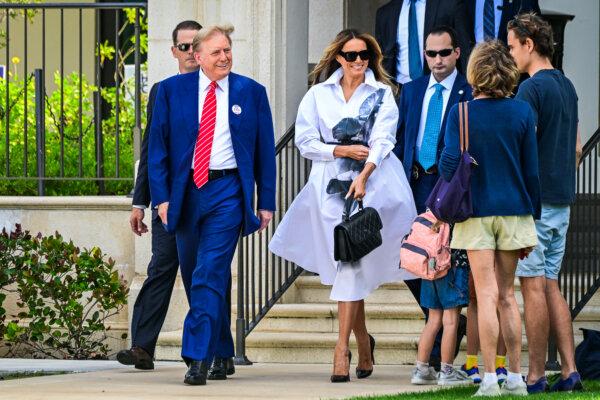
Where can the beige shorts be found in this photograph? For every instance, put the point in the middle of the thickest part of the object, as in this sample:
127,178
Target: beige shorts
511,232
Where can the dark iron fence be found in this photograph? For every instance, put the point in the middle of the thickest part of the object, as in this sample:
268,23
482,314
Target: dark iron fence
66,132
580,274
263,277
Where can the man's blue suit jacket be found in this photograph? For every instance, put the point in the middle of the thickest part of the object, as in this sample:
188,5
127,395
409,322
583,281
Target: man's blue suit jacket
173,136
410,106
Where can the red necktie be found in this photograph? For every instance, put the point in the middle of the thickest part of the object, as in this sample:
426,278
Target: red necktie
206,132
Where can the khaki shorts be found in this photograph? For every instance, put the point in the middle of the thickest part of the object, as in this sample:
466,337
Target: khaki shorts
512,232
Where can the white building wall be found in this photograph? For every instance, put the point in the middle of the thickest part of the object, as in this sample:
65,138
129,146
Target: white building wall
581,62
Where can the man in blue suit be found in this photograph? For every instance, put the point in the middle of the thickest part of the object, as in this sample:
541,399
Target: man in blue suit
423,107
211,142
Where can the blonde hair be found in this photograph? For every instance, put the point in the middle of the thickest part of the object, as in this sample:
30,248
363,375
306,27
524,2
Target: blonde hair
491,70
208,32
328,64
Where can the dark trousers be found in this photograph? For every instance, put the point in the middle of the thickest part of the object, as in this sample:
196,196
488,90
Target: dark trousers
206,241
152,302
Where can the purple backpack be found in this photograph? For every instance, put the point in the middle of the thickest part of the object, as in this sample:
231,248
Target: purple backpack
451,201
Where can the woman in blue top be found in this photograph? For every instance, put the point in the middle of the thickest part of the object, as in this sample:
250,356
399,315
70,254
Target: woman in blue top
506,198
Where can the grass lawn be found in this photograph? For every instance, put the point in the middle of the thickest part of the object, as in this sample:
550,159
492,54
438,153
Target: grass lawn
592,391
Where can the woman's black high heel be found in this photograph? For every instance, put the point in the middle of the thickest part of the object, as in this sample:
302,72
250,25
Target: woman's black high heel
365,373
343,378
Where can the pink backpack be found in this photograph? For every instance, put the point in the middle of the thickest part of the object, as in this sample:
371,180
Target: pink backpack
425,251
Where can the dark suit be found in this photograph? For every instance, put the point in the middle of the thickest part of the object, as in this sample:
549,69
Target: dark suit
409,119
510,8
437,12
152,302
208,220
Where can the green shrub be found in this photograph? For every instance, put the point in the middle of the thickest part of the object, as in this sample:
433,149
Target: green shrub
21,130
66,294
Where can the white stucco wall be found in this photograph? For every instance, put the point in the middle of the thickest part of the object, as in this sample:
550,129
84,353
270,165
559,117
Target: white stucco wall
581,62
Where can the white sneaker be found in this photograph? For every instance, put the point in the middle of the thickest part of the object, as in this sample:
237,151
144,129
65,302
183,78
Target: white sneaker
518,388
454,378
424,378
488,390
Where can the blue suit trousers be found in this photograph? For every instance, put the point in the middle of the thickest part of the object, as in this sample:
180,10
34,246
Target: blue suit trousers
207,236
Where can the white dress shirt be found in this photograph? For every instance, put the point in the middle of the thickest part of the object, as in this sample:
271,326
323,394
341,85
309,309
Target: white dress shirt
221,155
403,74
314,124
479,19
447,84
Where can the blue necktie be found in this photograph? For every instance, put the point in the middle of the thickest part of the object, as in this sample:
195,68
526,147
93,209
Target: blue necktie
489,20
428,151
414,51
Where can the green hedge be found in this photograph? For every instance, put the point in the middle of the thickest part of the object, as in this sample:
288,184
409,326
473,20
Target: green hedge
74,133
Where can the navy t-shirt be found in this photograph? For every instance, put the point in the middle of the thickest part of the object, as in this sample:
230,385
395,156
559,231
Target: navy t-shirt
554,102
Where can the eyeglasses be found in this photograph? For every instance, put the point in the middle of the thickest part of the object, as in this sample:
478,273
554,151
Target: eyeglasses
351,56
183,46
442,53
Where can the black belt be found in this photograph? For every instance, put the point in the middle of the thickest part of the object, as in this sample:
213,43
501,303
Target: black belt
418,170
219,173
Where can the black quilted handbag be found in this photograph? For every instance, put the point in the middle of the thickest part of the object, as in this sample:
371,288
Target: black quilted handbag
357,235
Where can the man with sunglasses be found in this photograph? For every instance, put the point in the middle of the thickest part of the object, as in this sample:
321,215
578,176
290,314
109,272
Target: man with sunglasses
152,302
423,106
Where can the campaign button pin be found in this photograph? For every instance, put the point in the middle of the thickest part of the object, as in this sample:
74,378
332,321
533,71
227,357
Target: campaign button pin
237,110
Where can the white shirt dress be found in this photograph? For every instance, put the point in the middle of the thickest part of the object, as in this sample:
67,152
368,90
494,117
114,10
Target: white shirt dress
305,234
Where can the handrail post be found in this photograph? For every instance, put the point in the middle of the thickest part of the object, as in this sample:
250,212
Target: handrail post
40,129
240,322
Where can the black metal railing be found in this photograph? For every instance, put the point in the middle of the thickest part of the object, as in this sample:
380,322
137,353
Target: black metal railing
70,111
579,278
262,276
580,274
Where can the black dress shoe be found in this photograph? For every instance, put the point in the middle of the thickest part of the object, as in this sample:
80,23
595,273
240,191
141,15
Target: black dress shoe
137,357
218,370
343,378
365,373
196,374
230,366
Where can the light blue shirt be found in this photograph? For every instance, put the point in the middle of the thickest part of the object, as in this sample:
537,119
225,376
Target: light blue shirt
479,19
447,84
403,74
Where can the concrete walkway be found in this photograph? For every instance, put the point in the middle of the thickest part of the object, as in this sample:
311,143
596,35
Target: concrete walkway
259,381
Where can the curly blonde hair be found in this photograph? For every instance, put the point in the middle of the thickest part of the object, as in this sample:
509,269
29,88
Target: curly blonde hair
491,70
328,64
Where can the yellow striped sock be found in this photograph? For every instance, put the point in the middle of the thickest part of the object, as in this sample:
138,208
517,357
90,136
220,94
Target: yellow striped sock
500,362
471,362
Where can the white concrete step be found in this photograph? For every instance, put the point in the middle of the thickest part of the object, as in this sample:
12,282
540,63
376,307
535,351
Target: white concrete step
316,348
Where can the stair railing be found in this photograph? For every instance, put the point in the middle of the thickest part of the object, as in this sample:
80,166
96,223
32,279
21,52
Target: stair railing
262,276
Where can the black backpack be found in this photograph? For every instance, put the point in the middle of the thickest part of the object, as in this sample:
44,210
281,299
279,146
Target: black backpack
587,355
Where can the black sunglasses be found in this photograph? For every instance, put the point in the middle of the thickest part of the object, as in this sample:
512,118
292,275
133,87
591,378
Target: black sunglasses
442,53
183,46
351,56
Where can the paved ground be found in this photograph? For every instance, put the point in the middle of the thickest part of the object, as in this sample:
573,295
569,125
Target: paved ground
259,381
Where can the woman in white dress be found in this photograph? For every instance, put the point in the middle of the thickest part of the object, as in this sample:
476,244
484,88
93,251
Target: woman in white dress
346,125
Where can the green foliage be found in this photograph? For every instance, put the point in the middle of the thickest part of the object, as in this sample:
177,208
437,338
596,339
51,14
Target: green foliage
66,294
62,120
